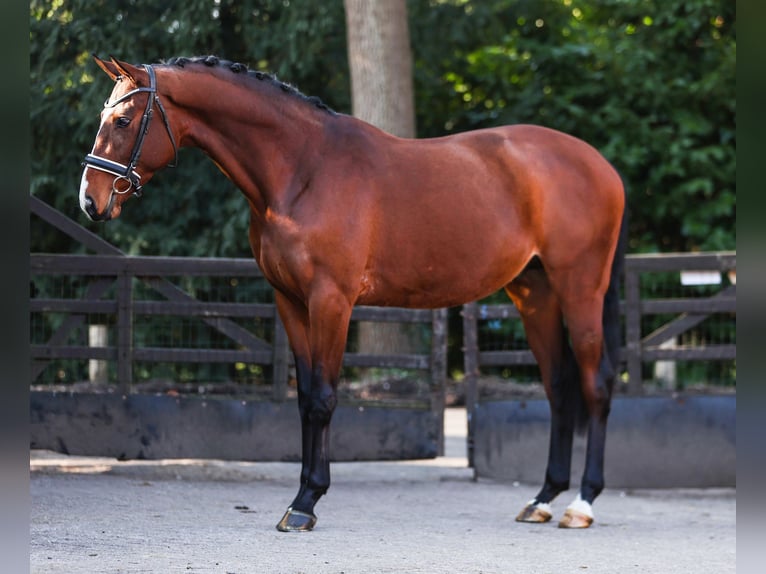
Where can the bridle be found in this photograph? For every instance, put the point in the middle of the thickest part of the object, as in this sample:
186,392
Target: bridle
128,172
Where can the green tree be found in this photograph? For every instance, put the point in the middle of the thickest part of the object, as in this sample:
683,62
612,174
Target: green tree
380,61
194,210
649,83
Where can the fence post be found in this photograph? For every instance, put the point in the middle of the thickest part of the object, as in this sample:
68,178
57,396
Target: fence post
633,331
438,371
124,331
280,360
471,366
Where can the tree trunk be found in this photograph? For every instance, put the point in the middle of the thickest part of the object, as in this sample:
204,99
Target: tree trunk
380,62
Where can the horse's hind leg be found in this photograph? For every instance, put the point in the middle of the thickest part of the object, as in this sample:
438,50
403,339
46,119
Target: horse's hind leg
541,314
583,305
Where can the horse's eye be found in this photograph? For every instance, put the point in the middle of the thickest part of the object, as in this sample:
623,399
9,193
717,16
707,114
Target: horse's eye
122,122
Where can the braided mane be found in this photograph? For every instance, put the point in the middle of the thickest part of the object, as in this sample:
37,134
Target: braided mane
237,68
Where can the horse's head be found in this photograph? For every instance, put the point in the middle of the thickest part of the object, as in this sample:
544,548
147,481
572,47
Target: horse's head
129,146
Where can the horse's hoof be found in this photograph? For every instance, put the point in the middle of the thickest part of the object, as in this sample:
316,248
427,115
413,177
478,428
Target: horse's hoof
536,513
575,519
296,521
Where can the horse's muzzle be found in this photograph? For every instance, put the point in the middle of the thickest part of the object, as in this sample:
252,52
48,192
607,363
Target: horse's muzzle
90,209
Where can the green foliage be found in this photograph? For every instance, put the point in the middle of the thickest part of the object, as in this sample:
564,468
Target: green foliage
193,210
651,84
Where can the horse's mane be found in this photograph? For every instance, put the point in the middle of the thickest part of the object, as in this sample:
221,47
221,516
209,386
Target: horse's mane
237,68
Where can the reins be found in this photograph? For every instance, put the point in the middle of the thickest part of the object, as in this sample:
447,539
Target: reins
128,172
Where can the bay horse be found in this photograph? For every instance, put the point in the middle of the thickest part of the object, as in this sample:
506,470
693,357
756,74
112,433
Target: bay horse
342,213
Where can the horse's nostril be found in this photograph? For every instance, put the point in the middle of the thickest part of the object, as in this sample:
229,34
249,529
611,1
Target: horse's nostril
89,206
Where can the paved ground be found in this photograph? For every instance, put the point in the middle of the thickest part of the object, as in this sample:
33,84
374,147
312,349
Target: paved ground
96,515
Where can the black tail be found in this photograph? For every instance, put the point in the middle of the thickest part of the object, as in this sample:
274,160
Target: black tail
611,317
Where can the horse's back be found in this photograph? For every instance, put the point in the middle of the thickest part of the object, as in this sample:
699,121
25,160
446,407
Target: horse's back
542,187
515,164
552,164
458,217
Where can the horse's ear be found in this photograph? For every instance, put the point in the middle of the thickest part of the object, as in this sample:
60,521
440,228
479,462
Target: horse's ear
116,69
126,70
111,70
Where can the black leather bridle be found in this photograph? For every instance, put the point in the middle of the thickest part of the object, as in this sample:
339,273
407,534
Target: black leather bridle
128,172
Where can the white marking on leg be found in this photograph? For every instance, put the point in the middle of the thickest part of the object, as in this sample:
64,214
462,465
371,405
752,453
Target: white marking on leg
544,506
581,506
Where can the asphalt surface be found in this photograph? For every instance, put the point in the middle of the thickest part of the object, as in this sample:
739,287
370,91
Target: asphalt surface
98,515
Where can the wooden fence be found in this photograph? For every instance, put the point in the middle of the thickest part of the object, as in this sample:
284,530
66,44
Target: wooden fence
112,287
105,270
112,267
639,347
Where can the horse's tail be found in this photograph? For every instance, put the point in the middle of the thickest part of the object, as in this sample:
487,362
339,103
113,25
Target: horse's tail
612,331
611,316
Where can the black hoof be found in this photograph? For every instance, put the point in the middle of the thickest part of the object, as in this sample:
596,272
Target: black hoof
296,521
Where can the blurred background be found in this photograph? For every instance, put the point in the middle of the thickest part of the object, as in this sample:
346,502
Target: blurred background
649,83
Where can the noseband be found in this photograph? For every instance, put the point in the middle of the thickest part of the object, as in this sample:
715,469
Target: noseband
128,172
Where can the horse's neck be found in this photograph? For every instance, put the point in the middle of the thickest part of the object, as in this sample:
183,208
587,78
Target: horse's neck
254,139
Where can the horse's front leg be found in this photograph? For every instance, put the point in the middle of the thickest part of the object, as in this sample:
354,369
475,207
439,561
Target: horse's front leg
318,339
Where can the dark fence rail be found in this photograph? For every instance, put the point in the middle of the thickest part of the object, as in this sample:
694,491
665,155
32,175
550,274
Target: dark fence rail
113,288
104,270
677,315
111,271
107,270
110,291
641,347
